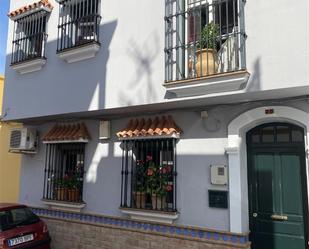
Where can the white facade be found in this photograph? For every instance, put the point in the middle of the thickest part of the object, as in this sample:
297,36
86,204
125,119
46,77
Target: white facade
125,78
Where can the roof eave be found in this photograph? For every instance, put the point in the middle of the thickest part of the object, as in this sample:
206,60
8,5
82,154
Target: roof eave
29,12
173,135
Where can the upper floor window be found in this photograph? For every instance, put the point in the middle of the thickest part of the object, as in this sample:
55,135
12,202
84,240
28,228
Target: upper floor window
203,38
79,22
29,37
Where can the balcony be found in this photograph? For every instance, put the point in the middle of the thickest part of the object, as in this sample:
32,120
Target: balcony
78,30
205,47
29,39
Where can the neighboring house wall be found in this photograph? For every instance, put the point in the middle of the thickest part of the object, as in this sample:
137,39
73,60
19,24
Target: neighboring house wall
129,68
9,163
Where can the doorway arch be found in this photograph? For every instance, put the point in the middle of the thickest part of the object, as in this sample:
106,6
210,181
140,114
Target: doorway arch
237,155
277,186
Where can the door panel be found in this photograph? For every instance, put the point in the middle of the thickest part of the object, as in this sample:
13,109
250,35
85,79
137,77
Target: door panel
291,176
275,189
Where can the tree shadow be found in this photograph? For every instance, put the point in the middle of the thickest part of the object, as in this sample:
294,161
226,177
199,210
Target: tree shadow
141,84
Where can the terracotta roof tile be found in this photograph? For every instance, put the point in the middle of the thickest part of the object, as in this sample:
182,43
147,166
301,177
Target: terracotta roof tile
67,132
159,126
26,8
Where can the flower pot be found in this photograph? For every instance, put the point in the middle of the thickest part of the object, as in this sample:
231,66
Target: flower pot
73,195
139,199
61,194
158,202
206,63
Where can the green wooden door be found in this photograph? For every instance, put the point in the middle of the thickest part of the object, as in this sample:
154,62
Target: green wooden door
277,196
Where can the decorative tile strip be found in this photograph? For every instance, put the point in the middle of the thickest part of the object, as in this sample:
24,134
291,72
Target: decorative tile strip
169,230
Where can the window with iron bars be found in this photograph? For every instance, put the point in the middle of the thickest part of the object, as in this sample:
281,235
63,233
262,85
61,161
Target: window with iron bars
29,37
64,172
148,175
203,37
79,23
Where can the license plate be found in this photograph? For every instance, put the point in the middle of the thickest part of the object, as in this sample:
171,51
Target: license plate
20,240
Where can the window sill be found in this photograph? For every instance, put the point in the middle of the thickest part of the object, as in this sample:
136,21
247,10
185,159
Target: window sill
211,84
150,215
80,53
29,66
64,206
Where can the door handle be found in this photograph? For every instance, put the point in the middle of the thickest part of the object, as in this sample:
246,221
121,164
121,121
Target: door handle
279,217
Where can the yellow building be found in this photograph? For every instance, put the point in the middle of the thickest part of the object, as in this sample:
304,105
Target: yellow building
9,162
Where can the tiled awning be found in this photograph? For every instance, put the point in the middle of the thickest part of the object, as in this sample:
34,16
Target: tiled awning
159,126
42,4
67,133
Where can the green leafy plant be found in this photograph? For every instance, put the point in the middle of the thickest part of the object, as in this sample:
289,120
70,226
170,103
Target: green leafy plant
209,36
69,182
157,179
141,169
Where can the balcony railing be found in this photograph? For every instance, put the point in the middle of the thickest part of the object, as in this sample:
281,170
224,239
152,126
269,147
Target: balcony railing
29,38
203,38
79,24
149,175
64,172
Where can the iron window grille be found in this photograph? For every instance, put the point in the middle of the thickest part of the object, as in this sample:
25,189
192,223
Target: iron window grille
203,37
64,172
148,175
79,23
29,37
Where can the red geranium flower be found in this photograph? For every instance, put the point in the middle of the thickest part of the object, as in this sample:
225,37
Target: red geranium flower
169,188
148,158
169,169
164,170
149,172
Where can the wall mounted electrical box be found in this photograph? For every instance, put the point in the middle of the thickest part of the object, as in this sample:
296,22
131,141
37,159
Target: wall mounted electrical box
218,174
104,132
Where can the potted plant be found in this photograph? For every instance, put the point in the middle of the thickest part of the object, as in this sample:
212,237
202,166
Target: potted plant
139,192
73,188
206,53
158,187
60,189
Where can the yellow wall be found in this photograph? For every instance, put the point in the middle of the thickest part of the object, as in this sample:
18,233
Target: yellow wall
9,162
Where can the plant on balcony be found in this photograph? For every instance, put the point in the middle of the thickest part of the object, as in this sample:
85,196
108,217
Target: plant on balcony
67,188
139,192
157,184
206,53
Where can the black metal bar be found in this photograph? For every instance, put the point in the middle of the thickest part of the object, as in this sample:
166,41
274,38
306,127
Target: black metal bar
126,175
122,176
174,176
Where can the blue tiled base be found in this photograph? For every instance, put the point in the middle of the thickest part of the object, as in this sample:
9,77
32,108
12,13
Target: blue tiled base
149,227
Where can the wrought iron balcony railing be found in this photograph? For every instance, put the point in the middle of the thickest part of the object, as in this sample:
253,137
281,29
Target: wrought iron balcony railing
29,37
79,23
203,38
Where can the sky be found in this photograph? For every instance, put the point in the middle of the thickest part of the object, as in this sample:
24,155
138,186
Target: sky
4,9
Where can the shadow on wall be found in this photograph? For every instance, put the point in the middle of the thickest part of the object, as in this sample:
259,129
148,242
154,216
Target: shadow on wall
84,80
142,57
254,83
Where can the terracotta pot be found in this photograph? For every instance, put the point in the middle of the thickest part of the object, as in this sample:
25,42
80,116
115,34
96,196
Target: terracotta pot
73,195
139,199
158,202
61,194
206,63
